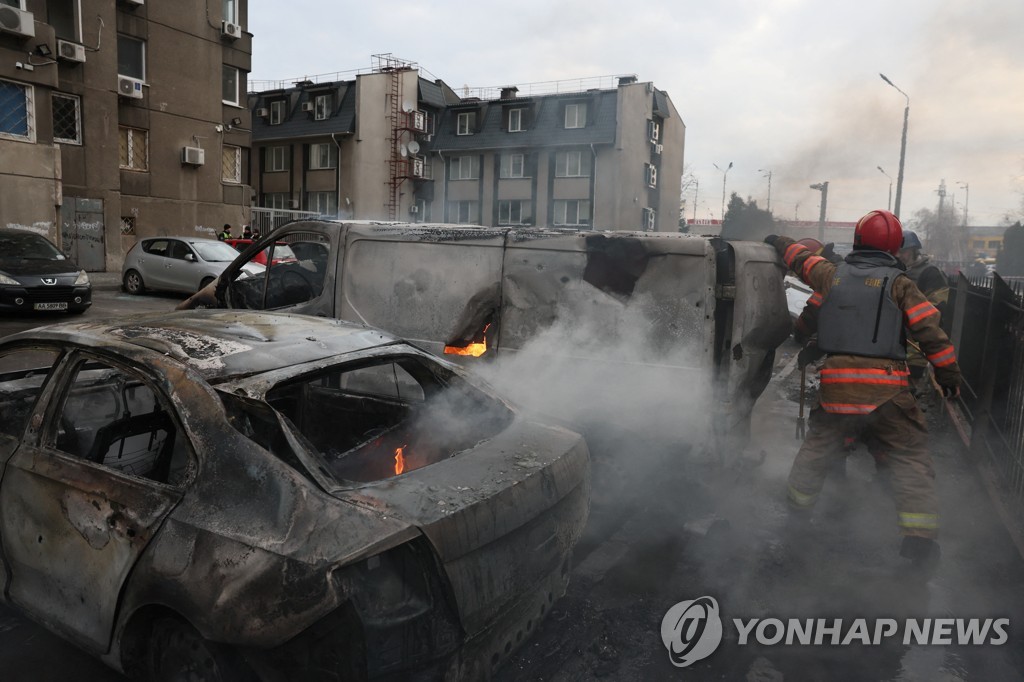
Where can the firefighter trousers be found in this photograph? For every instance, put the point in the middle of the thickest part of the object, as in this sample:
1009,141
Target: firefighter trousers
898,429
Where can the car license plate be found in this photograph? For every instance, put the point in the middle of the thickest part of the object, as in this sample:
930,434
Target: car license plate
63,305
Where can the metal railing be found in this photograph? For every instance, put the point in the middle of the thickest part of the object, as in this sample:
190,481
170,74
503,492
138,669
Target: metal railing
263,220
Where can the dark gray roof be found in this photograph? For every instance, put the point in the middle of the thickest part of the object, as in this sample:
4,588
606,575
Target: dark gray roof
546,129
299,123
661,105
430,93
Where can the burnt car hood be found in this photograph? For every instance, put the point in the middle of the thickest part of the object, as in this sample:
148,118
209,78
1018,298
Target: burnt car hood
501,516
25,266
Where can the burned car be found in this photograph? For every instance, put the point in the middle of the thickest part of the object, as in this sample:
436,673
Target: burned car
191,495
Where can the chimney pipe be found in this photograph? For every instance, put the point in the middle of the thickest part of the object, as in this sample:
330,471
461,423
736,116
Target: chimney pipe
509,92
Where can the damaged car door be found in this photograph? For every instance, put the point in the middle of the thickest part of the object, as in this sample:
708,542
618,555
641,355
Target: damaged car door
103,464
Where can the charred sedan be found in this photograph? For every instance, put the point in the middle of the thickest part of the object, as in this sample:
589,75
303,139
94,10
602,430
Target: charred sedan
191,495
35,275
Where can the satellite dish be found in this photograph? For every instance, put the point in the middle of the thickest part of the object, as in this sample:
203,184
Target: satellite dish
403,150
414,147
408,107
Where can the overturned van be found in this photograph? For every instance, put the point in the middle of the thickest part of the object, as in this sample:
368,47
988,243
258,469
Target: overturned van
651,326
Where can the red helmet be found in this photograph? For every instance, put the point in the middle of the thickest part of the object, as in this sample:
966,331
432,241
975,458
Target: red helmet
812,245
879,230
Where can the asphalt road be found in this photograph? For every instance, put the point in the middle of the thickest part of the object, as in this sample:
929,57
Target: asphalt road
679,526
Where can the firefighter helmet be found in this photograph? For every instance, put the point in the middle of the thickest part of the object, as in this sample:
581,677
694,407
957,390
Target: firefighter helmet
911,240
812,245
879,230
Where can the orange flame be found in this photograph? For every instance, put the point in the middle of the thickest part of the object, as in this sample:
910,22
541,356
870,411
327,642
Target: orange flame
474,349
400,460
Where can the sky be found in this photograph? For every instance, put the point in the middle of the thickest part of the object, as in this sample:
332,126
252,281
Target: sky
787,86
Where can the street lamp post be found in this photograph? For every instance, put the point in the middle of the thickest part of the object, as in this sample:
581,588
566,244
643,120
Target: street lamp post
696,192
823,188
889,206
724,174
767,174
903,145
967,198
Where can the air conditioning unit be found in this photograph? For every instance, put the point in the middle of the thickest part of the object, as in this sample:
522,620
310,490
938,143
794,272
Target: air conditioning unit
229,30
659,148
653,130
263,112
193,156
307,106
17,21
419,121
417,167
129,87
652,176
71,52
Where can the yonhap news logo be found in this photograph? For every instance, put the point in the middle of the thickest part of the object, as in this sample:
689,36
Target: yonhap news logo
691,630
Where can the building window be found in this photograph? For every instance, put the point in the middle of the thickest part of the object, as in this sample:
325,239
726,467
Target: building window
134,144
277,112
231,163
572,212
464,168
127,224
650,175
464,211
277,159
647,219
322,107
231,11
229,85
64,16
67,119
515,120
576,115
465,123
512,165
324,203
572,164
17,111
131,57
515,213
653,131
276,200
322,155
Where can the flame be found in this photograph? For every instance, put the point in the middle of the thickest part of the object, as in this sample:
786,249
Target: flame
474,349
400,459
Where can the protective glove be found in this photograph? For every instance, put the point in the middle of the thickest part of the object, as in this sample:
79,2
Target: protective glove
771,239
951,391
809,354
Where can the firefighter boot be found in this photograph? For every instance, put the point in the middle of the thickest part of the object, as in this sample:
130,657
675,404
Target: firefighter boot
923,553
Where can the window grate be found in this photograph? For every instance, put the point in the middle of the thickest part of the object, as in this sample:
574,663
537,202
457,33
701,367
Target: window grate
134,148
67,126
127,224
16,111
232,164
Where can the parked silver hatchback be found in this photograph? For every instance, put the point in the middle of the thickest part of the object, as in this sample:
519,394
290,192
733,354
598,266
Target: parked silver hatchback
177,264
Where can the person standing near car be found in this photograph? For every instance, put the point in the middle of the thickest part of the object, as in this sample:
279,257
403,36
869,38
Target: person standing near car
225,233
933,284
247,232
868,306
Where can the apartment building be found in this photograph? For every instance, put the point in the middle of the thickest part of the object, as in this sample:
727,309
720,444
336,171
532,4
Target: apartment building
121,119
392,145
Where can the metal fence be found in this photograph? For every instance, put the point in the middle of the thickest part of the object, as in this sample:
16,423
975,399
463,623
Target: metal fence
985,321
263,220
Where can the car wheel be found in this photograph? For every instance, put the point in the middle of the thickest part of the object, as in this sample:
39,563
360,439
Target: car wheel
176,651
206,282
133,283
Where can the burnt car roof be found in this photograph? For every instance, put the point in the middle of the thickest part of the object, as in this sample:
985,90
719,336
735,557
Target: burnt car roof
219,344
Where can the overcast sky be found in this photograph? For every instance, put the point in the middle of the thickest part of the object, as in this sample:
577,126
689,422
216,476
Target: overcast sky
790,86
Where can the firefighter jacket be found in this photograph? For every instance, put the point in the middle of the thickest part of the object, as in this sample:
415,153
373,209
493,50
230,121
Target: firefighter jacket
933,284
857,384
860,317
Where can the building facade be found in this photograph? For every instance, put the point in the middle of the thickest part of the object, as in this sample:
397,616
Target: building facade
392,145
121,119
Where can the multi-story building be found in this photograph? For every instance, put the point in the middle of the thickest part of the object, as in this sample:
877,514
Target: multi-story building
121,119
390,144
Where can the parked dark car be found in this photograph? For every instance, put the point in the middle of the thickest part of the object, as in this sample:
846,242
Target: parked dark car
202,494
177,264
35,275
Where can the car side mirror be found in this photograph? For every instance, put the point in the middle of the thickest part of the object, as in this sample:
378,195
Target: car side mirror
190,256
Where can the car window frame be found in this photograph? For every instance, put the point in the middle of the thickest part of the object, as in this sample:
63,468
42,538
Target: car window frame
29,432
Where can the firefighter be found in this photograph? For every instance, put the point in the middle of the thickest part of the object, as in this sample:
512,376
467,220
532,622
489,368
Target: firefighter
868,304
933,284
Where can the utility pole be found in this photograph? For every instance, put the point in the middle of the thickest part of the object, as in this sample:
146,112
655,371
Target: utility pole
823,188
724,174
768,174
696,193
903,144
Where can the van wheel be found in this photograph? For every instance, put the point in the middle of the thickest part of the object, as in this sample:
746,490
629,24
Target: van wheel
206,282
176,651
133,283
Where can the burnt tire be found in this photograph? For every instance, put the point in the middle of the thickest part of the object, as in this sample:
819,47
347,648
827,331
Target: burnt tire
176,652
205,283
133,283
